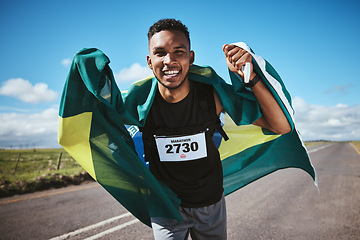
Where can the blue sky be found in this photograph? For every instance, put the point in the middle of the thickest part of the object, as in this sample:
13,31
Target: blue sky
314,46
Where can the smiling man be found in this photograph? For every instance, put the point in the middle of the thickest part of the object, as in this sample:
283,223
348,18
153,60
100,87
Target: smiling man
179,128
170,59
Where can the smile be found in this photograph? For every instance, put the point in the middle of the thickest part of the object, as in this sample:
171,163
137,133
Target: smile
171,73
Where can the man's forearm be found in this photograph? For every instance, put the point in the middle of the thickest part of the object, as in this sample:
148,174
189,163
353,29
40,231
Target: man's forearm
273,118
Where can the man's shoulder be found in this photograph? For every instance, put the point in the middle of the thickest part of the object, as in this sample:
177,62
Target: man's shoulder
144,85
146,82
205,74
205,71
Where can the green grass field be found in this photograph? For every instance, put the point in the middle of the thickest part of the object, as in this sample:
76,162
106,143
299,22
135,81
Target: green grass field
29,170
356,144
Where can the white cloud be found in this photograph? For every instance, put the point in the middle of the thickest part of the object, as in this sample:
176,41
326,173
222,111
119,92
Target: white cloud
338,123
66,62
133,73
342,89
25,91
36,129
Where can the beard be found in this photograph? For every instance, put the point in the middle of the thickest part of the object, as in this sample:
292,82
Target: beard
175,87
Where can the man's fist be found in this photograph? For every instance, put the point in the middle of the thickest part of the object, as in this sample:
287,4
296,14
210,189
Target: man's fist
236,57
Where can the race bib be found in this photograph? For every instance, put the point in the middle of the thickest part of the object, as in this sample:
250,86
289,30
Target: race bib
184,148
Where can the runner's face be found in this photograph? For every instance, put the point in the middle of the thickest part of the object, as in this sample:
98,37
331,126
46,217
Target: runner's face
170,58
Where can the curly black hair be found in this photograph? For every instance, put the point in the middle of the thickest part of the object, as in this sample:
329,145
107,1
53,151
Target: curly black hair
168,24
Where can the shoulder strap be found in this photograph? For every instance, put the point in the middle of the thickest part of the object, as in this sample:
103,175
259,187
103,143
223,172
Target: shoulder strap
207,105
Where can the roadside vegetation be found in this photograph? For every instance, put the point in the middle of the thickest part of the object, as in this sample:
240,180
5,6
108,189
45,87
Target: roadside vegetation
314,143
356,144
30,170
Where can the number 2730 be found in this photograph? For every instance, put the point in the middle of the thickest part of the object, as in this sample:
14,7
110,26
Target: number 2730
184,147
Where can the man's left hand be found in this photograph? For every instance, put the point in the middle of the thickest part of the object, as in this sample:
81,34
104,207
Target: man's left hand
236,57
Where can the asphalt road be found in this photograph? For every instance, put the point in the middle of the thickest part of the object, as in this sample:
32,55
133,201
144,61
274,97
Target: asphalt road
283,205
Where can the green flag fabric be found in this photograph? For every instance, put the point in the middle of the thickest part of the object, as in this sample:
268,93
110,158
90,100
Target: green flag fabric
98,125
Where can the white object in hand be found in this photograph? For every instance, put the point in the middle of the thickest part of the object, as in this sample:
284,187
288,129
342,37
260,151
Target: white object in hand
246,70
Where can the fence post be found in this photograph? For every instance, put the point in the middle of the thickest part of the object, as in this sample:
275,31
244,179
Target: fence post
58,163
17,164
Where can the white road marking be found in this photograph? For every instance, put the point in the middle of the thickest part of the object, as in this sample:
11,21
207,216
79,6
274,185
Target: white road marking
88,228
320,148
99,235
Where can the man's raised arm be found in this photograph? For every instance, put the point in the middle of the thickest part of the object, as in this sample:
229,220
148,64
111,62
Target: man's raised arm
273,117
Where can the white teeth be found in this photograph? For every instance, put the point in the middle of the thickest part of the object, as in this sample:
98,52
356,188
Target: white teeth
171,72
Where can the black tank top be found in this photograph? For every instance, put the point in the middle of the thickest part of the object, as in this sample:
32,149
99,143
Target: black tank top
197,182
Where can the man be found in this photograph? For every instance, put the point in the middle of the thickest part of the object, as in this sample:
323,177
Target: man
177,124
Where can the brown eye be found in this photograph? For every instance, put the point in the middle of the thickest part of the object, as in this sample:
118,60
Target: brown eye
160,53
179,52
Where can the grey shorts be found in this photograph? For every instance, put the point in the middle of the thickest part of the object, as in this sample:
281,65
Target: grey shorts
201,223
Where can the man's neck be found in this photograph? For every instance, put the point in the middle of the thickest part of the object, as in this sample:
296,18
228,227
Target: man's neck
174,95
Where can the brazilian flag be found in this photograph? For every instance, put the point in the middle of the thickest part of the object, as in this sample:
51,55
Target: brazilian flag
98,126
